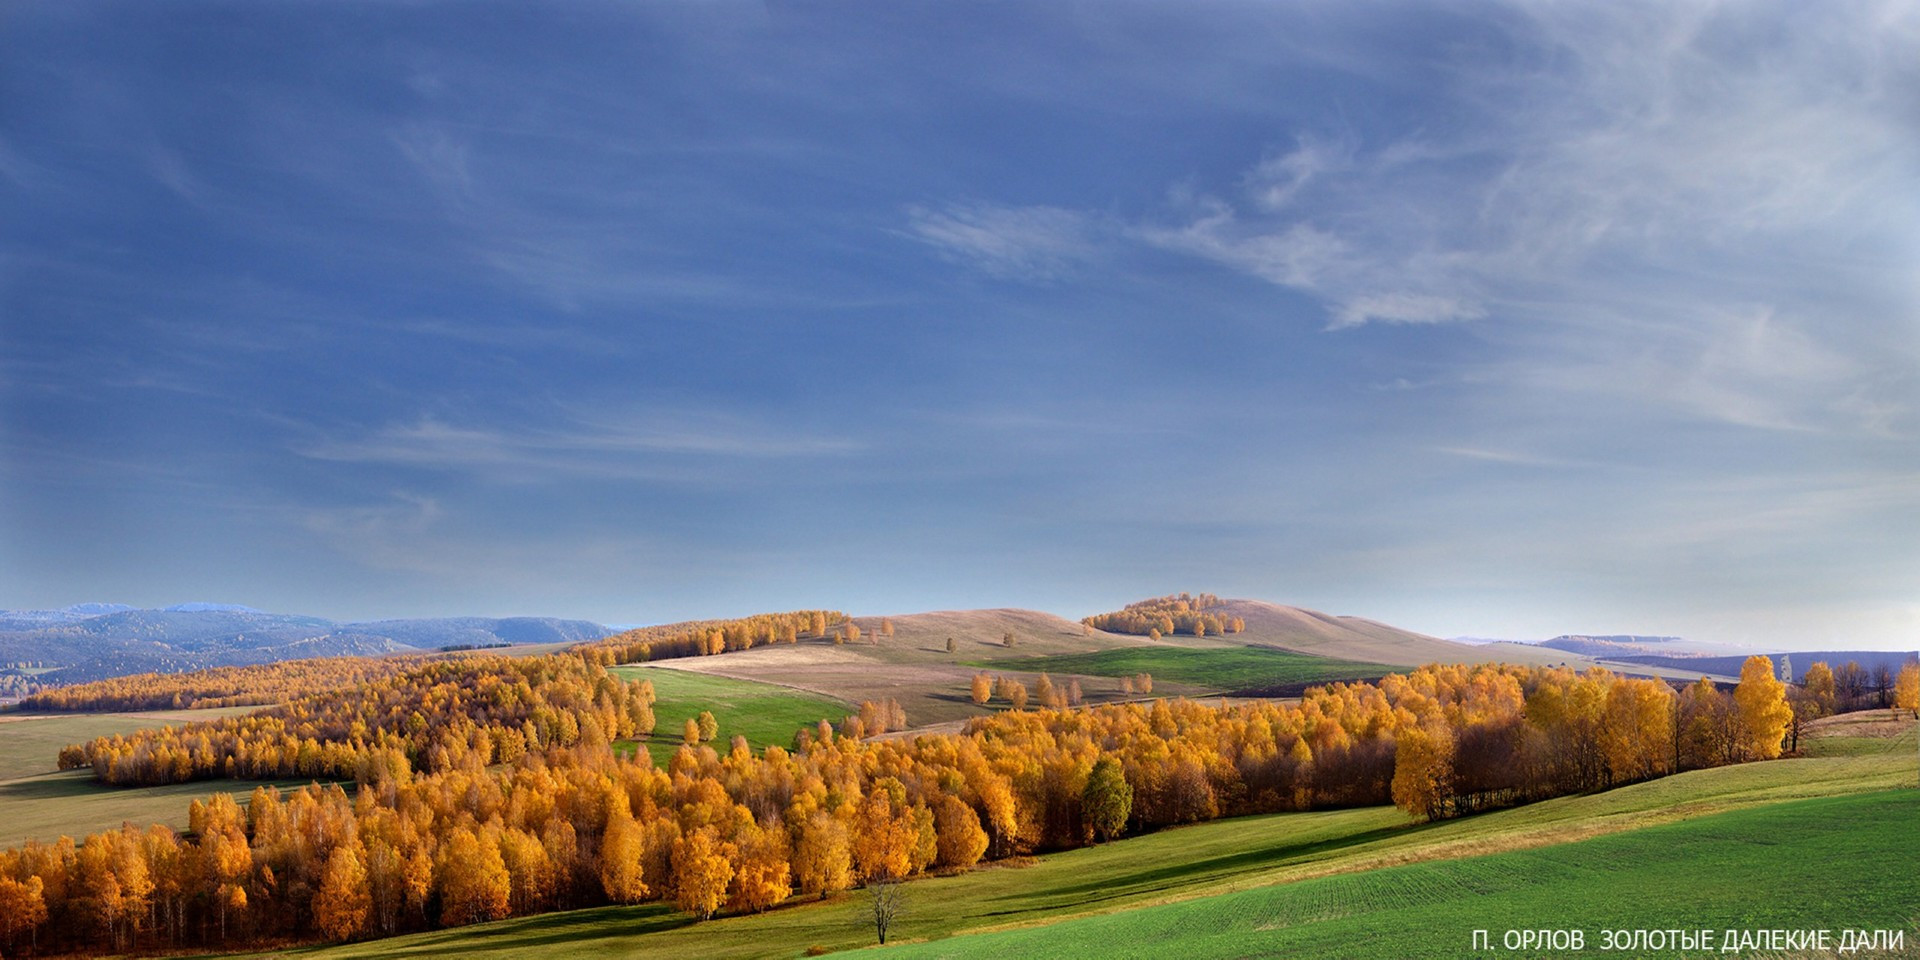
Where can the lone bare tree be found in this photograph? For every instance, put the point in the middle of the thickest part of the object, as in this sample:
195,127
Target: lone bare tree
887,898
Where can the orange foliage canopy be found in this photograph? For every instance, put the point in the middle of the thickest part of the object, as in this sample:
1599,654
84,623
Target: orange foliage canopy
470,834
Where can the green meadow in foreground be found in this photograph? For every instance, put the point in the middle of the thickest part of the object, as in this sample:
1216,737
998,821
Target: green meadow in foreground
766,714
1174,867
1218,668
1809,864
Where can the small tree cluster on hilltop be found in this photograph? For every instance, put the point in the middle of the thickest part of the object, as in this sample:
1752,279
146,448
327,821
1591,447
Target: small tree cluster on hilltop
1166,616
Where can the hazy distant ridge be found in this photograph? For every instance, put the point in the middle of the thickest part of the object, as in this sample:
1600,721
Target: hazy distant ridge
91,641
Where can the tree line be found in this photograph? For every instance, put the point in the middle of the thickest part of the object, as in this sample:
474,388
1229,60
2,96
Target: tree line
429,718
1852,687
706,638
260,683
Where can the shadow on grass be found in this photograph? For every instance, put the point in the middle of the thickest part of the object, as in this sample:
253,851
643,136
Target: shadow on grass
48,786
1177,875
529,933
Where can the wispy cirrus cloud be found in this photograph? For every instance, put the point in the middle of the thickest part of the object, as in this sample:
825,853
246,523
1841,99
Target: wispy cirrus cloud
644,445
1708,209
1016,243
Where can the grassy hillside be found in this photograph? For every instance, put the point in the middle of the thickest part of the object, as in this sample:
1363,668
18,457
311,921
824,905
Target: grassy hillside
1222,669
913,666
1179,865
765,714
1743,869
36,802
50,805
1357,638
31,744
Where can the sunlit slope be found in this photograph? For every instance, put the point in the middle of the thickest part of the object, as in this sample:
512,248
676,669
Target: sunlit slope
1743,869
913,665
1357,638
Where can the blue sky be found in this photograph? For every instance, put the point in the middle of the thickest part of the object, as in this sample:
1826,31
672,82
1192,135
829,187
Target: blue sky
1493,319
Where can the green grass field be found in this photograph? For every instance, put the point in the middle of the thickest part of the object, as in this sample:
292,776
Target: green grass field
36,802
1223,669
31,744
1224,857
766,714
47,806
1826,863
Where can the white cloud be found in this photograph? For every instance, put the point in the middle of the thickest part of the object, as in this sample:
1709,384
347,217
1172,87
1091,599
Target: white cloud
1017,243
1277,178
1405,308
642,446
1706,208
1300,255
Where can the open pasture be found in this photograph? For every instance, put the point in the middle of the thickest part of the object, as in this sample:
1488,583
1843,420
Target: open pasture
1222,669
764,713
30,743
38,802
1744,869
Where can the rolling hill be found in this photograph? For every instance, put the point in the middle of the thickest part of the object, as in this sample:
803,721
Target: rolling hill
1358,638
914,666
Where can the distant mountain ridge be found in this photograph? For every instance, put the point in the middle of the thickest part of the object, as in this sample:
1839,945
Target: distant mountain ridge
1621,646
1801,660
93,641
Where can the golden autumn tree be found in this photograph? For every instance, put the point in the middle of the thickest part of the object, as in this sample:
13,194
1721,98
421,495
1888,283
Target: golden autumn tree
761,876
709,727
1760,703
702,869
1637,729
621,874
343,903
474,885
1906,688
690,732
962,841
982,689
1422,771
822,855
885,835
1819,686
23,907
